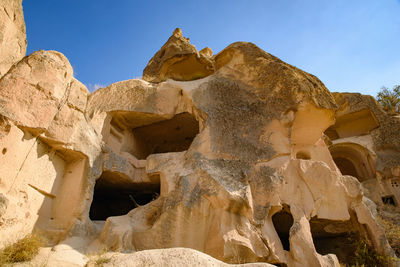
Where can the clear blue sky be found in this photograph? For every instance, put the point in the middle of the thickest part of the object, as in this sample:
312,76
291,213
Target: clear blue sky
351,45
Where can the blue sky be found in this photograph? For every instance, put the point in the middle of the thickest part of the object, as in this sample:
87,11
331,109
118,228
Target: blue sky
350,45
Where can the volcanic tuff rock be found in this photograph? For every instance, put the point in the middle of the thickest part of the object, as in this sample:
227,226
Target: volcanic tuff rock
179,60
12,34
240,156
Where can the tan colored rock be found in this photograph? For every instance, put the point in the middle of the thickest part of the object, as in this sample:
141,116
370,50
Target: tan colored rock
48,141
178,60
236,163
231,191
12,34
34,90
206,52
365,144
169,257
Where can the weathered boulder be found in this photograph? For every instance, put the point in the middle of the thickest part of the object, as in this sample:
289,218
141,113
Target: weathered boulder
12,34
34,90
179,60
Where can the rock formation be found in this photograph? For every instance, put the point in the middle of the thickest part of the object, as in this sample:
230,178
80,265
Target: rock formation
179,60
12,34
365,143
239,155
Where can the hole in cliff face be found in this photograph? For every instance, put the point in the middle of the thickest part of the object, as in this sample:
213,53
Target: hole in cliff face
173,135
388,200
283,221
303,155
336,237
353,159
346,167
353,124
115,195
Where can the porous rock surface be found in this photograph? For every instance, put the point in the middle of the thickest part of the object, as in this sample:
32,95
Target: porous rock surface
170,257
179,60
229,158
12,34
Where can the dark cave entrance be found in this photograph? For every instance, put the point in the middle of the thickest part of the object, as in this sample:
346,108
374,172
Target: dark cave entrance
353,159
172,135
346,167
115,195
335,237
142,136
283,221
388,200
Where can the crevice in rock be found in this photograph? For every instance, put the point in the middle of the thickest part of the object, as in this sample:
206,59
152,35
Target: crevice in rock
115,195
283,221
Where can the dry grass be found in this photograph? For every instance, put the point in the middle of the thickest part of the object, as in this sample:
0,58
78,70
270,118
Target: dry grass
389,219
101,260
24,249
366,256
98,259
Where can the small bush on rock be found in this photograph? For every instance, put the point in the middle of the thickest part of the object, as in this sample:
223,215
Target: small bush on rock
24,249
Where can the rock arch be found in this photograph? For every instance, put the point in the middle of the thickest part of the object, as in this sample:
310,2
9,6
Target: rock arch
354,159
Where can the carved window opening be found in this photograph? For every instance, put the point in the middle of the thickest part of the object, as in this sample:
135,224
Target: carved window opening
388,200
346,167
283,221
142,135
353,124
303,155
116,195
336,237
353,159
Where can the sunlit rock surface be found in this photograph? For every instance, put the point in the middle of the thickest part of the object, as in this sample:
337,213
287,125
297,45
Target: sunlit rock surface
239,155
12,34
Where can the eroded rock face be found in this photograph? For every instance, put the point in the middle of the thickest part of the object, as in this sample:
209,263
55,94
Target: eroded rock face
252,179
179,60
235,164
12,34
365,144
46,144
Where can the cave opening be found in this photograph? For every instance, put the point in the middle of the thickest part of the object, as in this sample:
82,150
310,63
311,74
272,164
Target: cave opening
116,195
346,167
172,135
303,155
388,200
354,159
335,237
283,221
151,135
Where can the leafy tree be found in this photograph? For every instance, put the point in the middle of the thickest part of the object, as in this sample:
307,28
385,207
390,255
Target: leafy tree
390,99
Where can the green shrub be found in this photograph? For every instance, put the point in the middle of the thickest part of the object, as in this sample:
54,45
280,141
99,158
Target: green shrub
390,99
366,256
24,249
